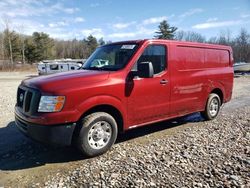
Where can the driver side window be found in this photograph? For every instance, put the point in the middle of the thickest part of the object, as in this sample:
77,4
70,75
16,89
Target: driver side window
156,54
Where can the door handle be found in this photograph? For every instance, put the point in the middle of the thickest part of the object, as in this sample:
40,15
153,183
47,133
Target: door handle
163,82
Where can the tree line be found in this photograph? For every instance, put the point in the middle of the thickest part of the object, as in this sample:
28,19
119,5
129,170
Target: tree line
17,47
240,43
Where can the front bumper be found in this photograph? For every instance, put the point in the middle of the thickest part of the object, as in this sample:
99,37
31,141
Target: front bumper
59,135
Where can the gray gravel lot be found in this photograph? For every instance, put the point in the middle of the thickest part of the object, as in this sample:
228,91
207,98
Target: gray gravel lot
184,152
214,154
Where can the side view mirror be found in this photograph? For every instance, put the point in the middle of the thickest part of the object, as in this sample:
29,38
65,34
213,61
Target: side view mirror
145,70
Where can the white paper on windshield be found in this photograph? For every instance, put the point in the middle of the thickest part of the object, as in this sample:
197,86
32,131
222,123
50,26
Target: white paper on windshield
128,47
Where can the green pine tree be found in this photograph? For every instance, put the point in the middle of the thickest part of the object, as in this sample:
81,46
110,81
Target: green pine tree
165,31
101,42
30,51
91,44
43,45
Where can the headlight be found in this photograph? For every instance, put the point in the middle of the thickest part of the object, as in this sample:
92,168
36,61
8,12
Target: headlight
51,103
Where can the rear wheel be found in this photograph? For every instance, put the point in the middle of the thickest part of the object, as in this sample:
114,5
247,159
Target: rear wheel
212,107
97,134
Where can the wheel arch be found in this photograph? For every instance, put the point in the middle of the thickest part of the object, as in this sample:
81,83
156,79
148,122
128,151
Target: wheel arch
110,109
219,92
101,103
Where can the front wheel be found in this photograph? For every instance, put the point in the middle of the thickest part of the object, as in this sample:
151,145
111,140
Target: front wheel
212,107
97,134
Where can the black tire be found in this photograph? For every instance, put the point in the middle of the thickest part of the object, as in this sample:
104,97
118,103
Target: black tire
207,114
88,135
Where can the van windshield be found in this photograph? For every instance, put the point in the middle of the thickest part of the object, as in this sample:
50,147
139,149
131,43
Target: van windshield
110,57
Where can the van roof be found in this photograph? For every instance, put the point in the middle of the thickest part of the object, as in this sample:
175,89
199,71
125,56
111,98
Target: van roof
181,43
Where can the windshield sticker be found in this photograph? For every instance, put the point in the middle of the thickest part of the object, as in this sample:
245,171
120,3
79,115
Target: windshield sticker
128,47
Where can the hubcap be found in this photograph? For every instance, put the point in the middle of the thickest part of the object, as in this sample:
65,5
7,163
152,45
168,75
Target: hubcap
99,135
214,107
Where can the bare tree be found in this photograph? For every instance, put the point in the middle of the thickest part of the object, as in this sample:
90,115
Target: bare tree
2,45
180,35
190,36
6,23
212,40
228,36
2,50
194,37
22,40
225,37
242,43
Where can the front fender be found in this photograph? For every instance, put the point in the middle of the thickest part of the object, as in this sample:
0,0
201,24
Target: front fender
101,100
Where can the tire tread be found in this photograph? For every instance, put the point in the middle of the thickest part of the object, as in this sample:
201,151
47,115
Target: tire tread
85,123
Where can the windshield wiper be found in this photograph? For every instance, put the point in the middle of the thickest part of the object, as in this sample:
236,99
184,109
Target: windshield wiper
95,68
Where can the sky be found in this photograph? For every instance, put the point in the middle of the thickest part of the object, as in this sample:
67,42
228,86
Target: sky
117,20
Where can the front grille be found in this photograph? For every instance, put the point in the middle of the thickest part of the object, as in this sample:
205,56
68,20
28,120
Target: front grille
28,99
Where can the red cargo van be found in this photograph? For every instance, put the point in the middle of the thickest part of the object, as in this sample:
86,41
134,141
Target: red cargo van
142,82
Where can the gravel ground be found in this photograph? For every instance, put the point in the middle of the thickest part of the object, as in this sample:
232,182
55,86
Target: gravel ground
9,82
215,154
184,152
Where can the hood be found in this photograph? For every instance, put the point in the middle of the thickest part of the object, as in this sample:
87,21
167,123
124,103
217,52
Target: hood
71,79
